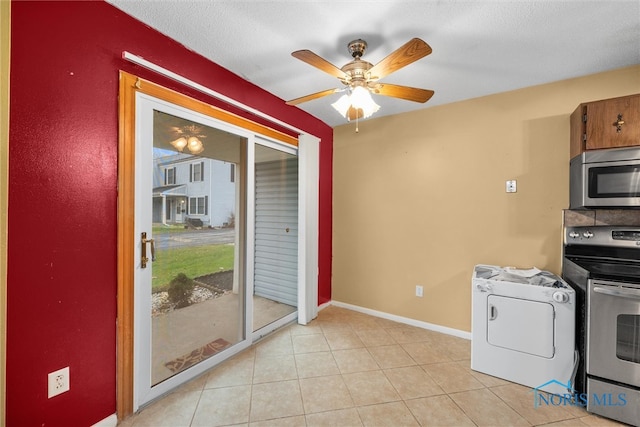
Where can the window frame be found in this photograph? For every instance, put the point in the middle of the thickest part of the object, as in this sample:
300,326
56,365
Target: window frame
198,205
170,175
193,170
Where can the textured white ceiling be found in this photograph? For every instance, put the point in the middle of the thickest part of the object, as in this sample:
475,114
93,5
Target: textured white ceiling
479,47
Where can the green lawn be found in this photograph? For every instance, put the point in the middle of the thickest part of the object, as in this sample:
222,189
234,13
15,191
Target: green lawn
193,261
165,229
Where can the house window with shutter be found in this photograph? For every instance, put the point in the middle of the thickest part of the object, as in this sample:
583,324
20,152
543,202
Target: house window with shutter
169,176
198,205
197,172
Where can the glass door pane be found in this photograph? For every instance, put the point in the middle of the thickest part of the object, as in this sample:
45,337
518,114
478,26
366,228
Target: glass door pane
276,235
196,290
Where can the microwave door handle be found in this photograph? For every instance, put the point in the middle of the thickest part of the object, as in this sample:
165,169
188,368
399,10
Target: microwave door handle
616,292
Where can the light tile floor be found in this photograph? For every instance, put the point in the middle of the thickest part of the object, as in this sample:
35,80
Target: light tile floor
179,332
350,369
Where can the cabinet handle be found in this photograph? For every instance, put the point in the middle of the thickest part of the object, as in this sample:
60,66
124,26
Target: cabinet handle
618,124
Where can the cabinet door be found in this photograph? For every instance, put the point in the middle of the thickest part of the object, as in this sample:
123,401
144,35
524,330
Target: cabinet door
602,118
577,132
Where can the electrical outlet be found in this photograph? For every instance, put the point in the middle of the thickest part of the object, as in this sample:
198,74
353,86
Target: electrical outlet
58,382
511,186
419,290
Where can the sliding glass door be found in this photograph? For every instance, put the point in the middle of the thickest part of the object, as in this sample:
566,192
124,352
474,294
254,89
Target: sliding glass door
216,240
190,219
275,284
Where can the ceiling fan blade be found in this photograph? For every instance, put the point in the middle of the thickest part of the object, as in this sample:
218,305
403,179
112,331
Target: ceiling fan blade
403,92
410,52
318,62
311,96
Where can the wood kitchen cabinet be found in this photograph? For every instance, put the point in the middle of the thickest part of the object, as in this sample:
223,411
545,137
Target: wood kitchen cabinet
609,123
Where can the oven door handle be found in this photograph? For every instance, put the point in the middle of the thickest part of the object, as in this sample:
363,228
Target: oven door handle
616,292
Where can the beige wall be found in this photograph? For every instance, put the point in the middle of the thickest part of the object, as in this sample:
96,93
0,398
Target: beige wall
5,36
419,198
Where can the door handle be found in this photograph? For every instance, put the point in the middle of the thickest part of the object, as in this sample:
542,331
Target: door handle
493,312
617,293
144,259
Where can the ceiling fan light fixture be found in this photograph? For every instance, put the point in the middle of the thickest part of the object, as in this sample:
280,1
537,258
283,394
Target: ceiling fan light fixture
195,145
179,143
188,140
342,105
359,99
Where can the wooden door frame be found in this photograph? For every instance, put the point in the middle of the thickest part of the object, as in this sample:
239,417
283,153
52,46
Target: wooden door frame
130,85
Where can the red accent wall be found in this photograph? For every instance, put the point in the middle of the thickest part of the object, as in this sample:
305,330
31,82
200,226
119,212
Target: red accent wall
65,58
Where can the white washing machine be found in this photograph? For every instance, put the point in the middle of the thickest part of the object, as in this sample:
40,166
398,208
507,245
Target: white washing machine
523,327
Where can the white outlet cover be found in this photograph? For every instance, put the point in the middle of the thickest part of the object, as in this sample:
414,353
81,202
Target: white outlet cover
58,382
511,186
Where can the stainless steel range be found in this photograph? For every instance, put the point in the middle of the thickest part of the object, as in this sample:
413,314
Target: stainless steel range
603,265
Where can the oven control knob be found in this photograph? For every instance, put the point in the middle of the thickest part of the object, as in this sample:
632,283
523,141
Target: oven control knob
574,234
587,234
560,297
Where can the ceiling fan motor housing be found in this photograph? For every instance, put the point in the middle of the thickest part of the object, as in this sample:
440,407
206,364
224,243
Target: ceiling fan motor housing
357,48
356,70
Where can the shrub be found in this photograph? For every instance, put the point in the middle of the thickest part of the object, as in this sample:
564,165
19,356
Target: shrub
180,290
231,222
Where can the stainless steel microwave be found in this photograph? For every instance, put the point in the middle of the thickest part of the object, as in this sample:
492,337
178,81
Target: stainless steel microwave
607,178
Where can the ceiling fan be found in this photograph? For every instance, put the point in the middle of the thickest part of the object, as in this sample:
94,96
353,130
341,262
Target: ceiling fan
360,78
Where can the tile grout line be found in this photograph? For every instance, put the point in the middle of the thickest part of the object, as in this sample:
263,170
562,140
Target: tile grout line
340,373
195,409
295,362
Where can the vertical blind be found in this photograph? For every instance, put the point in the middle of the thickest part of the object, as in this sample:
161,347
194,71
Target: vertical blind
276,236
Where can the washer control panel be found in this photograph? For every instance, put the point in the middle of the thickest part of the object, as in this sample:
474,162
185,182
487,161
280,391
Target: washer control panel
560,296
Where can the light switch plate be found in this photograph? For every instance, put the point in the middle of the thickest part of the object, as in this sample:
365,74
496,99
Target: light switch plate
511,186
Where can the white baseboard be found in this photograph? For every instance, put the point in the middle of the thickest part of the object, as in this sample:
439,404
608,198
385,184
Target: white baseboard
110,421
405,320
325,305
